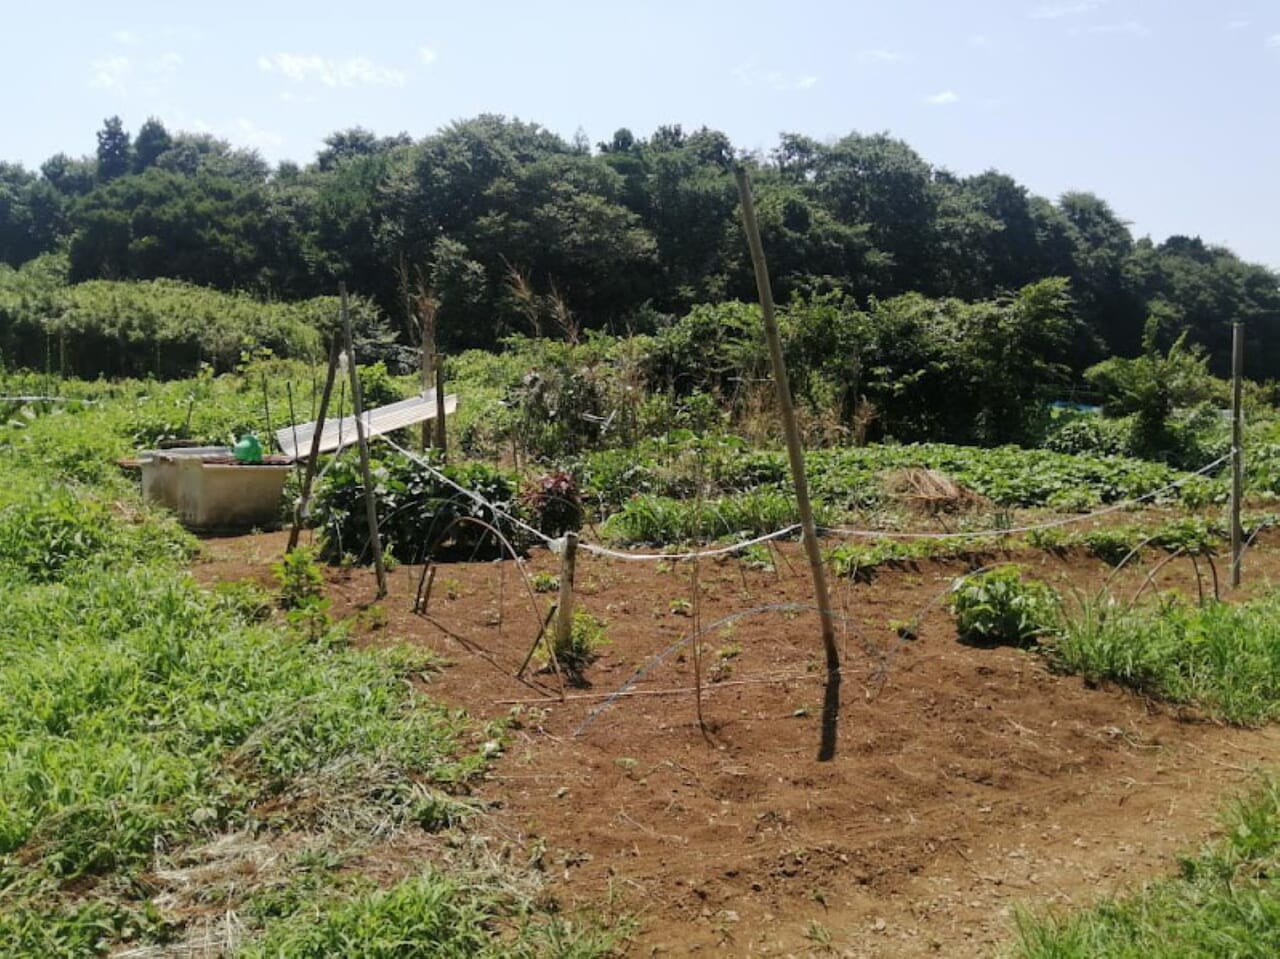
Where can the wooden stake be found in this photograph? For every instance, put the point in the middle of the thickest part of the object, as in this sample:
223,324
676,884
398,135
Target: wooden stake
309,478
357,406
564,616
266,409
1237,449
794,450
442,435
428,361
293,416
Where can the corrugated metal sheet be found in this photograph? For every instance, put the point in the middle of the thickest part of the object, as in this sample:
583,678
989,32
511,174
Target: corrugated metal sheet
384,419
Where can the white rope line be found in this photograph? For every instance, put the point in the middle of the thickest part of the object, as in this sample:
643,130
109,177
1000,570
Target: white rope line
44,399
555,545
695,554
1051,524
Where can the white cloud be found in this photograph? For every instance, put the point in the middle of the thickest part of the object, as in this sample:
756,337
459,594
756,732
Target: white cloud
109,73
1069,8
1237,24
352,72
944,98
1274,41
1131,28
255,136
880,56
167,64
126,37
751,76
979,40
426,56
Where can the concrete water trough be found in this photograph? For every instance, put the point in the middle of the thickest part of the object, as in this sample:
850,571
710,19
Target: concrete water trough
210,491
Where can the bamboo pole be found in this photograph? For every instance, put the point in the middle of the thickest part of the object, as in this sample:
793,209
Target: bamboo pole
357,406
266,409
442,435
794,450
1237,448
309,478
428,371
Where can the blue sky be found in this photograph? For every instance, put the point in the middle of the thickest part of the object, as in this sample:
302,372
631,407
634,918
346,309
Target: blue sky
1166,108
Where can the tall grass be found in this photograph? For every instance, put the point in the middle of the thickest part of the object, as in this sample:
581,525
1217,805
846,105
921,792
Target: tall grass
1223,659
661,520
143,718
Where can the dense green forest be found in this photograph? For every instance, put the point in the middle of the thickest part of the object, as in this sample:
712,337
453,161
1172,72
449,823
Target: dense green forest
499,226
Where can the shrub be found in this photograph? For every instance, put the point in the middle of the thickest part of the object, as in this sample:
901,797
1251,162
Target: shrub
554,503
417,511
1000,607
1091,435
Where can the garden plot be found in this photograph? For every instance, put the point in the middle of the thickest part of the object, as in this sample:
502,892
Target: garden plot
965,781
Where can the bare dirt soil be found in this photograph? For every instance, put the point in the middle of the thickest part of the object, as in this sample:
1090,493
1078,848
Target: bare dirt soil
961,783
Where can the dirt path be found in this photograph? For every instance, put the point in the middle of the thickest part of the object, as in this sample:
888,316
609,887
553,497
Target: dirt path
964,782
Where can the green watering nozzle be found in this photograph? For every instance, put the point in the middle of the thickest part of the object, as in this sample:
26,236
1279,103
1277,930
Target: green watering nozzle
248,450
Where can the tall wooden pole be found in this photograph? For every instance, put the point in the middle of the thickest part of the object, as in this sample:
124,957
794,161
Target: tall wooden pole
1237,448
357,406
428,360
312,460
794,449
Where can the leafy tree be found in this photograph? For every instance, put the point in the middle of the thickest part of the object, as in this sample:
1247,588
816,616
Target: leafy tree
884,184
69,177
1151,386
206,229
16,240
151,143
115,150
1102,246
356,142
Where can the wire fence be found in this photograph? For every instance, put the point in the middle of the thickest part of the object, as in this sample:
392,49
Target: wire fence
880,655
599,549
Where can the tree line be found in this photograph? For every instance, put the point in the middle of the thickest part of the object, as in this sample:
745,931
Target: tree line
495,226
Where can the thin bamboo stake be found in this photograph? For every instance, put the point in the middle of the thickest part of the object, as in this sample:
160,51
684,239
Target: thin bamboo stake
428,363
293,416
312,460
1237,449
357,406
266,408
794,450
442,435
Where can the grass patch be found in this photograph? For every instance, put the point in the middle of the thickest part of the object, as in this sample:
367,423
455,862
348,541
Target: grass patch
1224,902
662,520
1223,659
137,709
432,916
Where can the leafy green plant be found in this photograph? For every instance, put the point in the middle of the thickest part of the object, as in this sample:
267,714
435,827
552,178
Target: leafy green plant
417,512
544,582
1000,607
299,578
580,649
